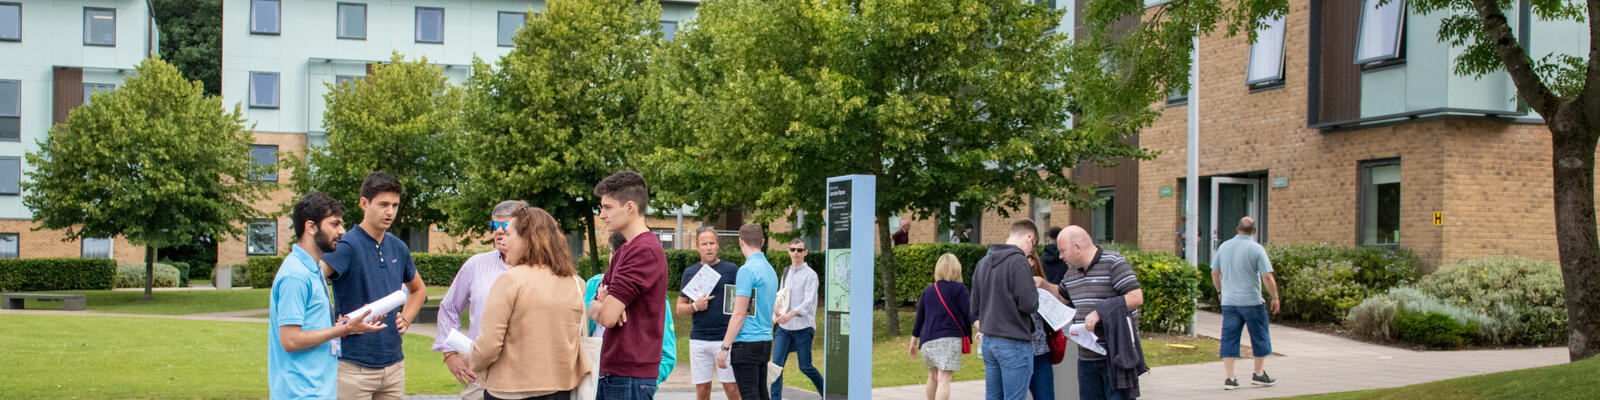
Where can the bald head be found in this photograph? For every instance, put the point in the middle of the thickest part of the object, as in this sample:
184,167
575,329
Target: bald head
1077,247
1247,226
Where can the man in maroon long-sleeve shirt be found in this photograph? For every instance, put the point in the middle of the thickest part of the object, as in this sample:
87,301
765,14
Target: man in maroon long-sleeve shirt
631,300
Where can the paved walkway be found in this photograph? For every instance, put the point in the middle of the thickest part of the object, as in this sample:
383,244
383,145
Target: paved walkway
1304,362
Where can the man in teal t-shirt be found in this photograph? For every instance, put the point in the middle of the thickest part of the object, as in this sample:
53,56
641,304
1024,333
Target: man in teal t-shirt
748,343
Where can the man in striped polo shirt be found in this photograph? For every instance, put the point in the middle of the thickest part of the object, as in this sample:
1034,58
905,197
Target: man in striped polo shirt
1093,275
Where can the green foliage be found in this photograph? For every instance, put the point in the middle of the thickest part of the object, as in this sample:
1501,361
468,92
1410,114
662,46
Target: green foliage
183,272
576,73
916,264
191,39
1170,286
1465,29
239,275
1323,292
439,269
132,275
1433,330
261,270
402,119
1322,282
1525,293
1375,317
38,274
154,161
1208,293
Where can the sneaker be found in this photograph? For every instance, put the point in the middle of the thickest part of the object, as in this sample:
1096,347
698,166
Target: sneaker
1230,384
1262,379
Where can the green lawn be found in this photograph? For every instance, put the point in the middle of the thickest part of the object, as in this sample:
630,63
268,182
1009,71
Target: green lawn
166,302
1576,380
117,357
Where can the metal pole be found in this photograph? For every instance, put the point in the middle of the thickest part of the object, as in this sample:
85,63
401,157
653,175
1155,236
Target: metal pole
1191,191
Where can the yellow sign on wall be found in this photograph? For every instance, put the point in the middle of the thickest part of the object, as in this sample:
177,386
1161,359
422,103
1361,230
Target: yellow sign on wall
1438,218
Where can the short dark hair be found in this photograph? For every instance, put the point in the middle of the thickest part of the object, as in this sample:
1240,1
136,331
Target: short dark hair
625,186
617,240
314,207
379,182
752,235
1023,226
1055,231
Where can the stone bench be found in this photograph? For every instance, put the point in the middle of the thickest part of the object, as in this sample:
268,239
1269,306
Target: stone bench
69,302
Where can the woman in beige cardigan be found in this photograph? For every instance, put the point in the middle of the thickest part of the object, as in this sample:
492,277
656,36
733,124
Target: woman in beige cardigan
529,345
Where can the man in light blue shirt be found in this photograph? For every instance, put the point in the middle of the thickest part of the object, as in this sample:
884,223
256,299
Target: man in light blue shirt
302,343
1238,270
748,343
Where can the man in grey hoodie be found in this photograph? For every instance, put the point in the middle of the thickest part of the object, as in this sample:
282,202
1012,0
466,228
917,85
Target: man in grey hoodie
1003,295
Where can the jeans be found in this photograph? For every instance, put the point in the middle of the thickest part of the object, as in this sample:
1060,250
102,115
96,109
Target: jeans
785,341
1043,383
612,387
1234,320
749,363
1094,381
1007,366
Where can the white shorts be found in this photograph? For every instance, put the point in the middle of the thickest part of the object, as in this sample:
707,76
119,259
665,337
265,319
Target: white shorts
702,359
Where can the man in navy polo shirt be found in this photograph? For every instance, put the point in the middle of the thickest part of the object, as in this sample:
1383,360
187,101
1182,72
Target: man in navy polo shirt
369,264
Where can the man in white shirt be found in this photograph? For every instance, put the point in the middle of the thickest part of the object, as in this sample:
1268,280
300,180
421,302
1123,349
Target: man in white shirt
798,325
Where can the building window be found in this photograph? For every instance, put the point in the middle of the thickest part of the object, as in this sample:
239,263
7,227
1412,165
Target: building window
342,80
9,245
430,25
1266,55
669,29
263,89
264,16
1177,96
510,22
99,26
266,157
10,22
667,237
1380,202
95,248
1039,212
1382,28
262,238
10,111
352,21
10,176
89,89
1103,224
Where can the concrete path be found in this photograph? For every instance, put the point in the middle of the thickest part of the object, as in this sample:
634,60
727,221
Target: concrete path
1304,362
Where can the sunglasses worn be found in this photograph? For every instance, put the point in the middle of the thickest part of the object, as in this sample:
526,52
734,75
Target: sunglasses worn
498,225
797,250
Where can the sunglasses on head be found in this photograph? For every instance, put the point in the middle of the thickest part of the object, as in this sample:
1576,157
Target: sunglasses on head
498,225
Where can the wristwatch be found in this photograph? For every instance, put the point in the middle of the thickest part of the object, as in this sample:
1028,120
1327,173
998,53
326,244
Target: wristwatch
726,348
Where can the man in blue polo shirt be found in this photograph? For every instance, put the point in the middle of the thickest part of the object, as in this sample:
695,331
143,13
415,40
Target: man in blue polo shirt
747,345
302,344
369,264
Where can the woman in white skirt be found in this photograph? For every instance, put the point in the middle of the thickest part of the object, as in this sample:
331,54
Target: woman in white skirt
944,322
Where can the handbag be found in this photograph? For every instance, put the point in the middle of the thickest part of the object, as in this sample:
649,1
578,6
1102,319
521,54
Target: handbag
1058,347
589,351
966,339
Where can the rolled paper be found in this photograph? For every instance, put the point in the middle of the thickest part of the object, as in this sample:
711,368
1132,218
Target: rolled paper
382,306
459,342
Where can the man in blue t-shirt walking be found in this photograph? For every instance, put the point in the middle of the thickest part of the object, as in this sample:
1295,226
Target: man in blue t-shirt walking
710,318
1238,270
748,343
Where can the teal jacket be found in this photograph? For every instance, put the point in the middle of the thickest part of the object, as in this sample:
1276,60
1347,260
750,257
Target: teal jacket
669,339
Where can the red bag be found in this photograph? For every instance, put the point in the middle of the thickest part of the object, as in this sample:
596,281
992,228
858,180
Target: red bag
966,341
1058,347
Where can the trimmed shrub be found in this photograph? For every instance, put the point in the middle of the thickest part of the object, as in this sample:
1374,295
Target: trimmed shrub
914,264
1375,317
1322,282
1528,294
183,271
38,274
1170,286
1433,329
439,269
132,276
240,275
1324,292
262,269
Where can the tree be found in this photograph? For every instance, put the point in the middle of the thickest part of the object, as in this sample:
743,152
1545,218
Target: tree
403,120
1565,90
154,161
191,39
958,101
550,119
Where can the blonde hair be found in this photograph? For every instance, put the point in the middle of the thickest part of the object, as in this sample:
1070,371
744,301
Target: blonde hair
947,269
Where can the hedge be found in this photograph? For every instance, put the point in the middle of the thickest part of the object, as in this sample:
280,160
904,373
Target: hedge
39,274
1170,286
1322,282
261,270
132,275
439,269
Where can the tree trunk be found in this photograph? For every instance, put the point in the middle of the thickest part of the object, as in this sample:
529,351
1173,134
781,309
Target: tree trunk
594,247
891,302
1573,149
149,272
